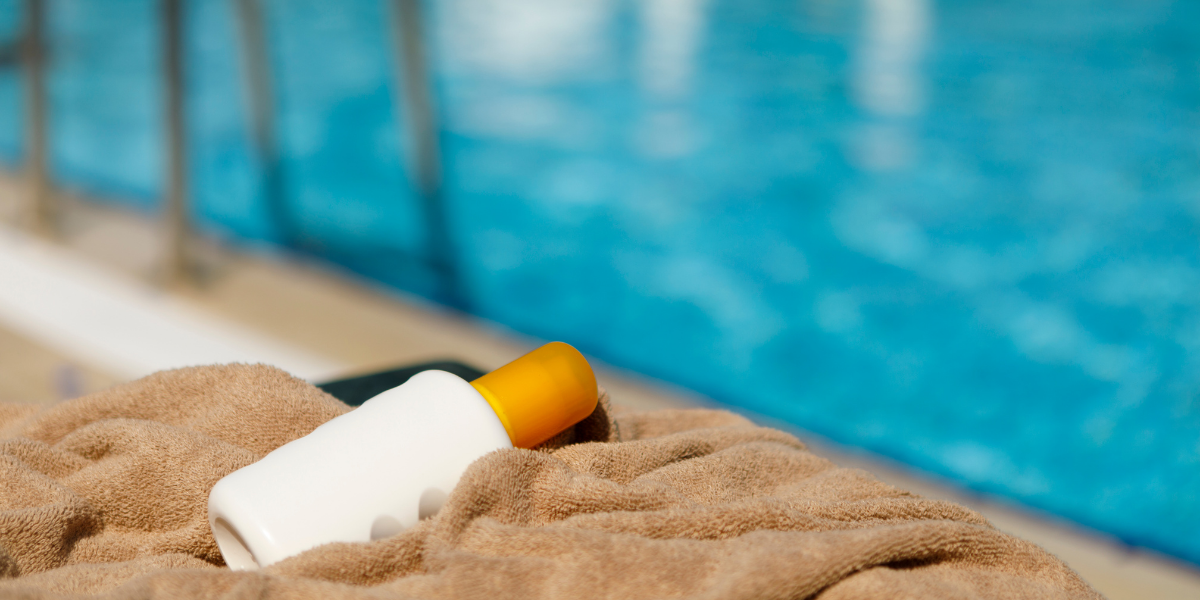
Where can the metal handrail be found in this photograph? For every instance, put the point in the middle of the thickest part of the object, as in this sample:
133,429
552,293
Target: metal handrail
177,264
42,206
414,81
415,102
260,104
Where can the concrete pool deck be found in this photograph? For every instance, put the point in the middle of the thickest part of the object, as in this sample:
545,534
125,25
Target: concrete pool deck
303,310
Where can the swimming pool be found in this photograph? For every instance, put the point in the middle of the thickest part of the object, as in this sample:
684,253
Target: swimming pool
961,234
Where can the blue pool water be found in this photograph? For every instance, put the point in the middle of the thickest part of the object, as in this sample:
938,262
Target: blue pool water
961,234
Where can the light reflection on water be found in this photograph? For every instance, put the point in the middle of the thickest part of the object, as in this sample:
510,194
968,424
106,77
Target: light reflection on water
962,234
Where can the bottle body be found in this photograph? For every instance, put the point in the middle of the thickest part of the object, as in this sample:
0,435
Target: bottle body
365,475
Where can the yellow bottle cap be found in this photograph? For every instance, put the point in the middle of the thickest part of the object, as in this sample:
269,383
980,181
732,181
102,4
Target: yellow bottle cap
540,394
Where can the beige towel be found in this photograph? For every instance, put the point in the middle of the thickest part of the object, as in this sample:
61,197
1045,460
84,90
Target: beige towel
107,495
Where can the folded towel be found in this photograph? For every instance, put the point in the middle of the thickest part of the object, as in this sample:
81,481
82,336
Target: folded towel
107,495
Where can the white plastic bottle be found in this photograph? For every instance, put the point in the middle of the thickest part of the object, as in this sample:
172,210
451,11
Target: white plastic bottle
380,468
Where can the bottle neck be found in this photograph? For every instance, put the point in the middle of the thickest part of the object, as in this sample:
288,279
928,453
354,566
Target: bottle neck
497,408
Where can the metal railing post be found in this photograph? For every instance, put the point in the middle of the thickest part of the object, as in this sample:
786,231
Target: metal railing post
260,109
43,209
176,260
416,101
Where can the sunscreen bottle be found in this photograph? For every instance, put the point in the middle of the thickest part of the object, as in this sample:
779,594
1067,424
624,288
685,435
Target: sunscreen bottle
378,469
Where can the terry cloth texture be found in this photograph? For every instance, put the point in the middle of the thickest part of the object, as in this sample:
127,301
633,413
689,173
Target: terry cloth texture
107,495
